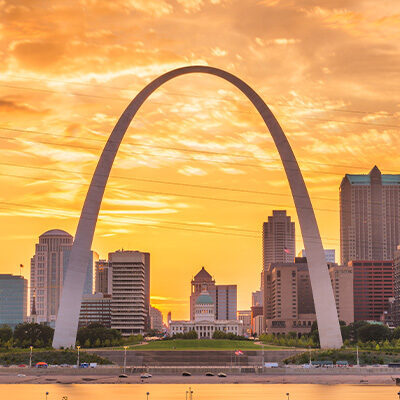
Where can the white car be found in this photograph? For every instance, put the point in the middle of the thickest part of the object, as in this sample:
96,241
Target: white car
145,376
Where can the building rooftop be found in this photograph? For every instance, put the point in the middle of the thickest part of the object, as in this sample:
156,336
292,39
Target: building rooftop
387,179
203,276
55,232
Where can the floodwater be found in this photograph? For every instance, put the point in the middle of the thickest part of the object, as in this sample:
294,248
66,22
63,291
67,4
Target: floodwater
200,392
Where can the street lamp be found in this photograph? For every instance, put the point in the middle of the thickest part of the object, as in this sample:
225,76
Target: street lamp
287,394
77,360
190,393
47,393
147,395
398,394
125,347
30,357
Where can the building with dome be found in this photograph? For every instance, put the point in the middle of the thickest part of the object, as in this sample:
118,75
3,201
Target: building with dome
224,296
204,322
48,268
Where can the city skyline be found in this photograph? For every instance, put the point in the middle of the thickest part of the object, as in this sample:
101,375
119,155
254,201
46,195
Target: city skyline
69,98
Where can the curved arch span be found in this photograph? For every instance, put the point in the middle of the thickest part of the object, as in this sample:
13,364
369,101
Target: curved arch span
68,314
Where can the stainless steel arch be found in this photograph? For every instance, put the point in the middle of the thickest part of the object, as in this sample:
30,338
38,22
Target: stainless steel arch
68,314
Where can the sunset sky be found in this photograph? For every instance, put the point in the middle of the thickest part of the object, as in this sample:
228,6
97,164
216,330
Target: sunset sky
197,173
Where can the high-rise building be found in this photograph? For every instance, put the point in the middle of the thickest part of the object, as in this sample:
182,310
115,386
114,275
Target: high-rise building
48,270
256,298
224,296
128,307
245,317
369,216
102,282
288,299
373,285
279,244
342,284
329,255
47,267
156,319
13,299
95,308
396,287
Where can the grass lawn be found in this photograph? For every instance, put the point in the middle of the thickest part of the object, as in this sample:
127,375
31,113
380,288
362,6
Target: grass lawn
203,344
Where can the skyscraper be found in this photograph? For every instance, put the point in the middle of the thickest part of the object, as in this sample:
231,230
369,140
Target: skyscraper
47,272
48,269
128,306
13,299
279,244
369,216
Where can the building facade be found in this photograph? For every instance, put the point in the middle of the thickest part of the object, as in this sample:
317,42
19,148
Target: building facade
47,266
342,284
224,296
102,282
373,285
245,317
288,298
369,216
128,282
205,322
13,300
95,308
156,319
257,298
330,255
396,288
279,242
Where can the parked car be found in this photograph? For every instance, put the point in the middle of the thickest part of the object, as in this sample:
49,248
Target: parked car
122,376
185,373
221,375
146,375
84,365
209,374
21,366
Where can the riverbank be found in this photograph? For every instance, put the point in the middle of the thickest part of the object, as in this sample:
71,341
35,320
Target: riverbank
311,377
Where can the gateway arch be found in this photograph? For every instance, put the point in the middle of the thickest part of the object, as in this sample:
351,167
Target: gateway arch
68,313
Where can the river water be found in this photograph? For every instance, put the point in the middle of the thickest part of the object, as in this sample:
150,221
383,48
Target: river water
200,392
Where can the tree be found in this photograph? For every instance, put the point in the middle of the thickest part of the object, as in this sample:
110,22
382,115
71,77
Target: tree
373,332
96,331
28,334
396,333
6,333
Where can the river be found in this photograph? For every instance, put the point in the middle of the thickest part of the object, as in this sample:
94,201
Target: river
200,392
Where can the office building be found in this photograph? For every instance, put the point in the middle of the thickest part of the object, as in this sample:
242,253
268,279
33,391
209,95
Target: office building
47,266
224,296
13,300
95,308
128,307
373,285
396,288
329,255
257,298
245,317
102,281
279,244
288,299
257,325
342,284
369,216
205,322
156,319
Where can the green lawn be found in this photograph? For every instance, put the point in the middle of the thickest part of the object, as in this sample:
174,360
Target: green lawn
203,344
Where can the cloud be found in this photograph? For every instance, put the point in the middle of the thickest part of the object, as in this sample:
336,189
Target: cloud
192,171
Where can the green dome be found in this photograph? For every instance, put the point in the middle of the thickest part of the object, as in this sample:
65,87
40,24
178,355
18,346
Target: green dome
204,299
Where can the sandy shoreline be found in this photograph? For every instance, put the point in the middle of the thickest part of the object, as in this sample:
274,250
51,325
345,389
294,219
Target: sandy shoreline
198,379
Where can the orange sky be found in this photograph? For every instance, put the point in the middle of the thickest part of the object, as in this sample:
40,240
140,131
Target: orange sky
328,69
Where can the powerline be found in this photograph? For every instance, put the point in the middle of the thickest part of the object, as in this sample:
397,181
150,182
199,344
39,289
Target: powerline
192,95
166,103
